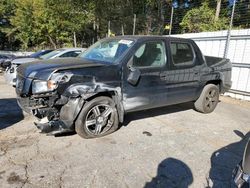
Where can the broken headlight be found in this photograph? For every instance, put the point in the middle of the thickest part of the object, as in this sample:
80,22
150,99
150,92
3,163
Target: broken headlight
39,86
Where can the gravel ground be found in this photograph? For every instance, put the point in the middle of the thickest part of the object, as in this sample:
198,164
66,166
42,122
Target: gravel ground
173,146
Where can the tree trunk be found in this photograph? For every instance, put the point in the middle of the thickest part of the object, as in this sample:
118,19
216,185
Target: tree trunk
52,42
217,13
149,24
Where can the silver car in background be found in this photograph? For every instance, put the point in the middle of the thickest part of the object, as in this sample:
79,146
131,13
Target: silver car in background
10,73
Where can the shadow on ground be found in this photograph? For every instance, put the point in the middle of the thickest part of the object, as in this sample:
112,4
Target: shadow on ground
171,173
224,160
157,111
10,113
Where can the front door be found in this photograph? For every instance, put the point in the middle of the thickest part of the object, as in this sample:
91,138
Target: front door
150,60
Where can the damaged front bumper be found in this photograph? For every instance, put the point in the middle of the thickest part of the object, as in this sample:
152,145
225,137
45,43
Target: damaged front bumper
55,114
241,179
52,127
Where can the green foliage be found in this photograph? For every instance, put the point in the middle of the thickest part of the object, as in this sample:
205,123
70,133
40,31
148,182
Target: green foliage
23,21
47,22
202,19
52,23
7,8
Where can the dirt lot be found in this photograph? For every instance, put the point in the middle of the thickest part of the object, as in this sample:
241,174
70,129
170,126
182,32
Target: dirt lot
167,147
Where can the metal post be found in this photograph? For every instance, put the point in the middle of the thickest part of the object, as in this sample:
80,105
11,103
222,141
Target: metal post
109,29
97,31
94,28
134,24
75,39
171,20
122,30
229,31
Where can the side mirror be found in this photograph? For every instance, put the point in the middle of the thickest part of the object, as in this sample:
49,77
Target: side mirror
246,159
134,75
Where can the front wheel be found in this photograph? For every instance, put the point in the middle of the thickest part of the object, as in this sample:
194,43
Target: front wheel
98,118
208,99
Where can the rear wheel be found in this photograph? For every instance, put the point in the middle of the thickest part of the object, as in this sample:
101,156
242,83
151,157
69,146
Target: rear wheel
98,118
208,99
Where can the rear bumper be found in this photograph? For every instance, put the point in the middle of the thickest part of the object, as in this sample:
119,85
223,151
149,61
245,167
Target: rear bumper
226,87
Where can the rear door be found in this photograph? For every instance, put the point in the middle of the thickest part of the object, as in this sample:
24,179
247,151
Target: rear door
150,59
182,78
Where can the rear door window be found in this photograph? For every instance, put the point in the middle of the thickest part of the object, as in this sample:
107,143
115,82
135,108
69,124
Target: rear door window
182,54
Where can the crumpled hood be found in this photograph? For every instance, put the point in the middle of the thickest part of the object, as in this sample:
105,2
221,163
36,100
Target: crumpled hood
20,61
41,68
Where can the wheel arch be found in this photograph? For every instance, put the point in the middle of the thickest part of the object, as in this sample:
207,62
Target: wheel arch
217,82
115,96
70,111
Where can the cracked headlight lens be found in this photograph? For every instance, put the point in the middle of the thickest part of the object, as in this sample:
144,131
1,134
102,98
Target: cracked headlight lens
39,86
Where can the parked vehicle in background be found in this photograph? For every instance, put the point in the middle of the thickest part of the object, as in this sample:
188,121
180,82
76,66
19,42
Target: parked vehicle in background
40,53
241,174
4,59
90,94
10,73
32,57
10,65
63,52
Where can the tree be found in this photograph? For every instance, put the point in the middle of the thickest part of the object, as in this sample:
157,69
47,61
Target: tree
217,13
43,23
7,8
23,22
202,19
52,23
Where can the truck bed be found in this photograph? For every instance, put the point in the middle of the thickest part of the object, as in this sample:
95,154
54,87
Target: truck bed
216,61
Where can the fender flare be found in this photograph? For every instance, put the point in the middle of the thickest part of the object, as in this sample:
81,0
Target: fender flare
71,110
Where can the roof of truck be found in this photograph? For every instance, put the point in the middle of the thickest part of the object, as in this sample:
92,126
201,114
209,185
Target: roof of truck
145,37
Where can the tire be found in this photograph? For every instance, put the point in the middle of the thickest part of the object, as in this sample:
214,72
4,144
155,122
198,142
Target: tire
98,118
208,99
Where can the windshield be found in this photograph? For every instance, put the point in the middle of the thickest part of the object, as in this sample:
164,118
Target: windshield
108,50
51,54
40,53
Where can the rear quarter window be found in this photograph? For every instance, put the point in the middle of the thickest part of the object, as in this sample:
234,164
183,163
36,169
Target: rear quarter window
182,54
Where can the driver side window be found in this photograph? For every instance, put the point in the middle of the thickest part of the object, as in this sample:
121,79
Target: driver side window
150,54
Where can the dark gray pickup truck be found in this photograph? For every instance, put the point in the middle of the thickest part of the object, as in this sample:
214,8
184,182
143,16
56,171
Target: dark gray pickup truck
90,94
